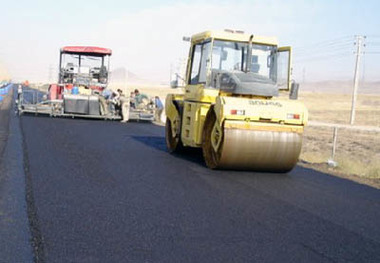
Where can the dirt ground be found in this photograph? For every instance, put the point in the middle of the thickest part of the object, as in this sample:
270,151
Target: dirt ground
336,108
357,152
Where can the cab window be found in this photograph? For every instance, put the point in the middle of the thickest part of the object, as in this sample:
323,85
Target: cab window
200,61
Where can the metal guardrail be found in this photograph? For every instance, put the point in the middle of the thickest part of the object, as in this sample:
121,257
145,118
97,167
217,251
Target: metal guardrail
4,89
344,126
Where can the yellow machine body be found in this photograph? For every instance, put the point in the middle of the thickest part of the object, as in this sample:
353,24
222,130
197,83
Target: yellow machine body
242,131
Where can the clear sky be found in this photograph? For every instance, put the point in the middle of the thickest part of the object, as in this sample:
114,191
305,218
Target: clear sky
146,36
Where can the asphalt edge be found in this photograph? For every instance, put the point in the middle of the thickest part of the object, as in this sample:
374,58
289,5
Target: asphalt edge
36,238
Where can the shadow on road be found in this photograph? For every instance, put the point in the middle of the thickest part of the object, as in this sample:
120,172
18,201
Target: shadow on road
157,142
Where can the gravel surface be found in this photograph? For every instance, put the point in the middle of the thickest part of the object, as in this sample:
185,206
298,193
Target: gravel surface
109,192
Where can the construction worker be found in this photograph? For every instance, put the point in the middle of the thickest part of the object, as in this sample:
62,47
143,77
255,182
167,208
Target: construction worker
141,100
124,104
159,108
107,93
103,104
113,102
104,99
132,99
19,92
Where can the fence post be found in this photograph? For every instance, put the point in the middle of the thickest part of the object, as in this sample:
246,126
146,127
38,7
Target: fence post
331,161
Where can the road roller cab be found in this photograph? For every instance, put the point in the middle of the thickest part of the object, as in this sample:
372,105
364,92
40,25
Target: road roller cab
239,103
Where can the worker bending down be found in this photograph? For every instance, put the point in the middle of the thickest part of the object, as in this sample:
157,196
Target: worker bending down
141,100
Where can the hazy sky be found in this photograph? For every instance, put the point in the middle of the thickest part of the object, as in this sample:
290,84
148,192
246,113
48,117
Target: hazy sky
146,36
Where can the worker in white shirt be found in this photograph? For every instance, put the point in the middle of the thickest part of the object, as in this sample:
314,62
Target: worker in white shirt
19,92
125,105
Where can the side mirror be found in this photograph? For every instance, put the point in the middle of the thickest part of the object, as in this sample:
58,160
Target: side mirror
293,95
174,84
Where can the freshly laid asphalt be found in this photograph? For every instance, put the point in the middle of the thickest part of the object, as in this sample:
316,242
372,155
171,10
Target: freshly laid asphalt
102,191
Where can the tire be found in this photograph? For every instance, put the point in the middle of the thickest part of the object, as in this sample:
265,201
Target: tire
211,157
173,144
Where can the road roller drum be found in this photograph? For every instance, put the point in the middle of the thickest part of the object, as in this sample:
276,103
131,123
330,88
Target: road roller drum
250,146
260,150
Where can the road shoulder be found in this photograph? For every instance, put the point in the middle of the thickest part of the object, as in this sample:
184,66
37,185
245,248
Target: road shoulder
14,225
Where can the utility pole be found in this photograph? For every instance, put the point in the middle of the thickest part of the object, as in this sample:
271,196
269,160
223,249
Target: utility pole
359,40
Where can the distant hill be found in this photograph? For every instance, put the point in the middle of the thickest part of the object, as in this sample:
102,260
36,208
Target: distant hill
121,75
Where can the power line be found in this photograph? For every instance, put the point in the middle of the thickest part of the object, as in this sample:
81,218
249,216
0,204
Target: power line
332,43
323,53
312,47
317,47
329,41
346,47
324,57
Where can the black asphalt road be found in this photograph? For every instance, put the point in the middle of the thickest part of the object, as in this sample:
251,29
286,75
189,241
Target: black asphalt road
109,192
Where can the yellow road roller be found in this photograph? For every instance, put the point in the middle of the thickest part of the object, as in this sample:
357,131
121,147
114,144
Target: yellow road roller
239,103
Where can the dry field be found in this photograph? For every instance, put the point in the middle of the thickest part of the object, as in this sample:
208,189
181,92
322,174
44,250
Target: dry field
336,108
357,152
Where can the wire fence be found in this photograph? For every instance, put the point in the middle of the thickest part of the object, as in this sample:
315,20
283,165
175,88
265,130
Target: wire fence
350,149
353,150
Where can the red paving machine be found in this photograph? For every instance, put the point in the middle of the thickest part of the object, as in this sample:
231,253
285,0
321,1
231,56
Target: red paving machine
83,76
79,66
